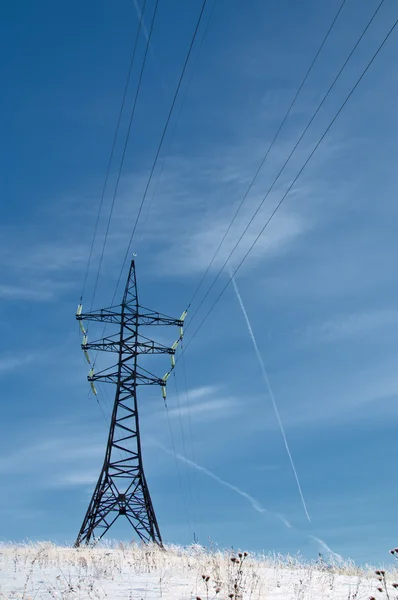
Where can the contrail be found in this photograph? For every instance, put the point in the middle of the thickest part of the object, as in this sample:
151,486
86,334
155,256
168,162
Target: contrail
146,35
254,503
144,29
267,382
324,545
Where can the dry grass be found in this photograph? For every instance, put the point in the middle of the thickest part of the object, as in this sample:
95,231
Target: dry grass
132,572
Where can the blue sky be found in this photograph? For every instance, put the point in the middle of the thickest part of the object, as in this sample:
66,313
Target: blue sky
319,286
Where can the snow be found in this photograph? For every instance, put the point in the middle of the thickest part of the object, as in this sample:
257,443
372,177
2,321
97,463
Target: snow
132,572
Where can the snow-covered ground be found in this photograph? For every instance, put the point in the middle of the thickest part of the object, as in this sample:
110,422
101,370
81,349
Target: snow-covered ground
130,572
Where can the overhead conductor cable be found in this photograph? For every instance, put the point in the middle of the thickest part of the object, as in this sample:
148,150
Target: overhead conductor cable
295,179
271,145
161,143
286,162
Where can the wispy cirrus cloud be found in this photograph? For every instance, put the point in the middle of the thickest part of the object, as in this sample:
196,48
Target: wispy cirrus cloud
77,478
195,251
68,450
320,399
179,230
38,290
208,410
41,267
186,216
49,256
10,363
205,403
204,391
19,292
352,325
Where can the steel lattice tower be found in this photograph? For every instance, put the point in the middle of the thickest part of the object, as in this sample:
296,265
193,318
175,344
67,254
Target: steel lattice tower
122,488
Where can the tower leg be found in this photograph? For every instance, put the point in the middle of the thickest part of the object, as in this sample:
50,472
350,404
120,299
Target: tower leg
108,503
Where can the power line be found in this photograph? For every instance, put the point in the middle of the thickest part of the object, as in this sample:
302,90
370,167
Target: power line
112,150
125,146
161,143
184,449
171,137
178,471
288,158
188,404
294,180
187,401
268,150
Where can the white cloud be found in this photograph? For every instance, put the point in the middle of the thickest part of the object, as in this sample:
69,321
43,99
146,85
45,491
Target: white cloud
52,255
42,290
67,450
202,392
181,228
193,251
39,271
11,363
204,403
206,409
78,478
353,325
326,399
16,292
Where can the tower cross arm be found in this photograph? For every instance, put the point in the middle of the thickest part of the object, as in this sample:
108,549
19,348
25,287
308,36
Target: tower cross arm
141,377
104,315
139,347
150,317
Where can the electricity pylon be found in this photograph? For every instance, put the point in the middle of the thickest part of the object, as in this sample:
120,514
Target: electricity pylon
122,488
